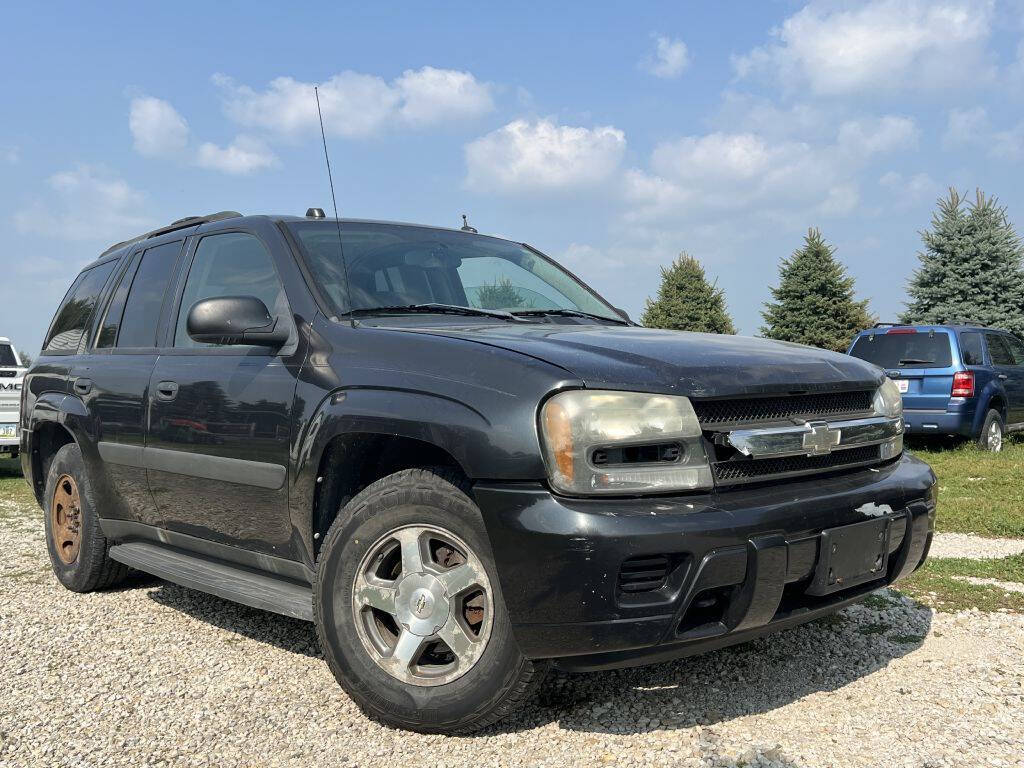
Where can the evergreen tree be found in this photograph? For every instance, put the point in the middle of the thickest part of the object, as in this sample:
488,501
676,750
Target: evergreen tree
971,267
814,301
686,301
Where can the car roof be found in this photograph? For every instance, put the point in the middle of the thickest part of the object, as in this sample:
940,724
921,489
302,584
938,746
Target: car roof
117,250
926,327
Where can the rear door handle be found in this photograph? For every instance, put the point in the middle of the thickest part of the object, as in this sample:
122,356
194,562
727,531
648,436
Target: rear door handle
167,390
83,386
1003,376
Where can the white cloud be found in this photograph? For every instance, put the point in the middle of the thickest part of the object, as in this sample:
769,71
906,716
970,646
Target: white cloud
87,203
356,104
670,58
156,127
881,44
726,172
432,95
965,126
1009,144
870,136
524,156
243,155
580,257
913,189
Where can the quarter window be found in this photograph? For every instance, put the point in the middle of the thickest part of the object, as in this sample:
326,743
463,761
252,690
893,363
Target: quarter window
76,310
1016,348
231,264
970,349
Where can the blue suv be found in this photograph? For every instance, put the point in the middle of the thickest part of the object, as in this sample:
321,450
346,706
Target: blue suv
955,379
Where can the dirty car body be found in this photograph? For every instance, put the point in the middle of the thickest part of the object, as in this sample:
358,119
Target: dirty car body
766,486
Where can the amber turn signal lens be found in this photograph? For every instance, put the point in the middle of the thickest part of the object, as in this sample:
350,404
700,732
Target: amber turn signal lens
558,430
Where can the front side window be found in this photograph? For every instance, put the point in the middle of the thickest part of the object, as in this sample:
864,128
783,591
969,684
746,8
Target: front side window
146,296
399,266
74,314
230,264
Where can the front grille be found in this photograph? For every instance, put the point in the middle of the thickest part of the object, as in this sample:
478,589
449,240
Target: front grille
643,574
738,471
717,413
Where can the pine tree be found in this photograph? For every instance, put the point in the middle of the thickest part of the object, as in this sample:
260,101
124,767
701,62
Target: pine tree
814,301
686,301
972,267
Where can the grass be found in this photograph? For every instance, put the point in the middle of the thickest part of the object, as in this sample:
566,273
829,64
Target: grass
979,492
937,585
15,495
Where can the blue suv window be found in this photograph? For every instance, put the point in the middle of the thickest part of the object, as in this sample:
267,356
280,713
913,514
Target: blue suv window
971,349
904,349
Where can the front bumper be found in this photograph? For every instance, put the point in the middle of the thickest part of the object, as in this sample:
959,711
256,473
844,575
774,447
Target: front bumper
751,553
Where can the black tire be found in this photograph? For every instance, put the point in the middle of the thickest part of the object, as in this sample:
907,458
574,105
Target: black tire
501,678
91,569
987,441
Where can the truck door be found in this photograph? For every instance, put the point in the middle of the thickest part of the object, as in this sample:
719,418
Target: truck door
220,415
1015,381
113,379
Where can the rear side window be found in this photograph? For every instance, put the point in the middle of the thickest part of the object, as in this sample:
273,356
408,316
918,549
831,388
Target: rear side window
146,296
7,355
115,309
74,314
999,350
971,349
230,264
904,350
1016,348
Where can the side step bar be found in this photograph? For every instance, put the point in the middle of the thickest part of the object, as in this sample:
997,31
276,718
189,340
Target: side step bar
232,582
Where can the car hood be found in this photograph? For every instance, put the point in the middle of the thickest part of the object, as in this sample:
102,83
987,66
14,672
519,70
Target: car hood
675,362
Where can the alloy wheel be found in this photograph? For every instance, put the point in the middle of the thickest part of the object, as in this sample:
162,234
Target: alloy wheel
423,605
994,439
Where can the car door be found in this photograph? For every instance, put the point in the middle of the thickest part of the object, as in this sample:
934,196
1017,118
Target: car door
113,377
220,416
1015,380
1000,352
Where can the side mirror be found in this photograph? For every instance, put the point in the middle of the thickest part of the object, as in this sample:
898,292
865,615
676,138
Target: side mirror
235,320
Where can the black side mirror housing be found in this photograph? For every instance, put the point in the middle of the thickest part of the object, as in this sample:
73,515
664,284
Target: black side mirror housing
235,320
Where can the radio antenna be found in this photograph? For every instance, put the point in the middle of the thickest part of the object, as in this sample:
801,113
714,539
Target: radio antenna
334,202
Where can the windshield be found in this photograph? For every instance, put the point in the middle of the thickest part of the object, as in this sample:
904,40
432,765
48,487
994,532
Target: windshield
904,350
394,265
7,355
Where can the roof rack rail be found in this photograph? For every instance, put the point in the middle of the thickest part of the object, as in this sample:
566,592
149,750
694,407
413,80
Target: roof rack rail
188,221
888,325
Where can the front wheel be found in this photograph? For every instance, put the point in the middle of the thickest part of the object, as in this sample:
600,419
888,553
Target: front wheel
409,611
991,437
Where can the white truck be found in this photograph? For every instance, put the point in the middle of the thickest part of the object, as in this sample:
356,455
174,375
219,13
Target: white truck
12,373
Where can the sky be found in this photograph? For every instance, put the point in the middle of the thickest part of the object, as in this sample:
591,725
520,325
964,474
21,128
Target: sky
610,136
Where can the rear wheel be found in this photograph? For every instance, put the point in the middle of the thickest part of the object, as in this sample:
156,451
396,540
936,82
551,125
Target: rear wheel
991,437
77,546
409,610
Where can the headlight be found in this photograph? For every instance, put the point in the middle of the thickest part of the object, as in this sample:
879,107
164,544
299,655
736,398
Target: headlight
888,401
598,441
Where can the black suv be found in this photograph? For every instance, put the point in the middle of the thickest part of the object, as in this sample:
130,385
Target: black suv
454,457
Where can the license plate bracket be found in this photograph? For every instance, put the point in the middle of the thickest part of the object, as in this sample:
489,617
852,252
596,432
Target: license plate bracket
851,555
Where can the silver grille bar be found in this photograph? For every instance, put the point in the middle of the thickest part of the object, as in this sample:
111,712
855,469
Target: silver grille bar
817,438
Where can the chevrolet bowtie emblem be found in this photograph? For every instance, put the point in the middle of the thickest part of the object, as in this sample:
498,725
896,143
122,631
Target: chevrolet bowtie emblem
820,439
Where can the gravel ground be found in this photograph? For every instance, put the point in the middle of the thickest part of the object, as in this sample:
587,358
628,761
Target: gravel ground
154,674
974,547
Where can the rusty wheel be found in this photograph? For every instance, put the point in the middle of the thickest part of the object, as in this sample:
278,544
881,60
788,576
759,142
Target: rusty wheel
66,519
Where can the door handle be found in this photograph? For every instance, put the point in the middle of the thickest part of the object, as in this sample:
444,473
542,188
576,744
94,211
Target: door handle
167,390
83,386
1003,376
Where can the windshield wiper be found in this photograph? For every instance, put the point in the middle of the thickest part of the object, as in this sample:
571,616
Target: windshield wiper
566,313
434,307
914,361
